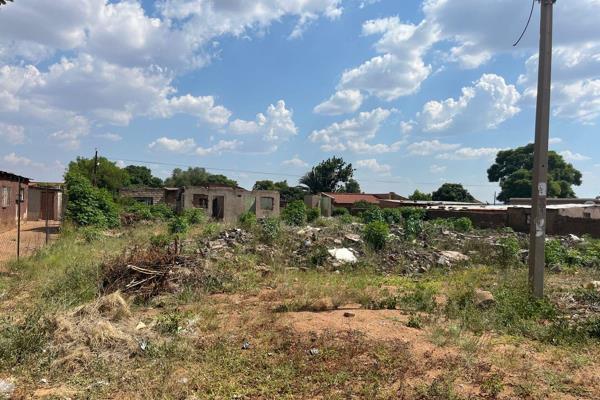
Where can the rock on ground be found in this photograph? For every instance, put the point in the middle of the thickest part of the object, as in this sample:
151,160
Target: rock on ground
343,255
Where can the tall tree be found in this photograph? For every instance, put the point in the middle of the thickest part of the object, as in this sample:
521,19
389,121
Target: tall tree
329,176
352,186
196,177
108,175
420,196
452,192
513,170
142,176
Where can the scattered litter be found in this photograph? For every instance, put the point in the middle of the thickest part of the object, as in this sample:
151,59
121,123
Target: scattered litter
313,352
6,389
593,285
348,314
140,326
343,255
143,343
246,345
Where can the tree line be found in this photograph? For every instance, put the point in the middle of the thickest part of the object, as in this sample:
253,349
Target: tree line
512,169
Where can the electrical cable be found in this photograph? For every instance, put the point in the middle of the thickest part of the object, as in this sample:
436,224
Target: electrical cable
527,25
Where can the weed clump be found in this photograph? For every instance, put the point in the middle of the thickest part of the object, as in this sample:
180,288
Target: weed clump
248,220
312,214
295,213
270,229
376,234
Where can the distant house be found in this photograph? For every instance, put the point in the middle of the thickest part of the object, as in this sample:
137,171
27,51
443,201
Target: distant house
328,201
218,201
45,201
13,188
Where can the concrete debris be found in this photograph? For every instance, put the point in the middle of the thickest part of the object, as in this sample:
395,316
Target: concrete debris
353,237
343,255
6,389
484,299
309,230
448,258
337,241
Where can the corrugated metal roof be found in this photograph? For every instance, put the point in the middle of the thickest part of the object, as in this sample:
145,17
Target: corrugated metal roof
14,177
351,198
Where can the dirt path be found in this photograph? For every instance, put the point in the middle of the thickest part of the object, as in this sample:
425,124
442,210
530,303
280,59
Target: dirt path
33,237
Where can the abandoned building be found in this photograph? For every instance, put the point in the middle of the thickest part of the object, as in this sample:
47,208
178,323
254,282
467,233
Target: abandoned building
219,202
45,201
13,189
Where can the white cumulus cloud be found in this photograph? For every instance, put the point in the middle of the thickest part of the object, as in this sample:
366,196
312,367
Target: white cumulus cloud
374,166
295,161
173,145
342,102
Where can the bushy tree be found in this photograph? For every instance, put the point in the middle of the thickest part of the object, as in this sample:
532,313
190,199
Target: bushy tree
376,234
287,193
196,177
330,175
109,176
420,196
87,205
452,192
513,170
294,213
142,176
352,186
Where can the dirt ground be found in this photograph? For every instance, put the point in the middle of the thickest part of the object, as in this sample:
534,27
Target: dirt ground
33,237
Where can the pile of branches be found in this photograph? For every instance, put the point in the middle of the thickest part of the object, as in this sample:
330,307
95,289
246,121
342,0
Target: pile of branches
146,272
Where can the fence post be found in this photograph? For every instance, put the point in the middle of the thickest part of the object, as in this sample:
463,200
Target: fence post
47,211
19,219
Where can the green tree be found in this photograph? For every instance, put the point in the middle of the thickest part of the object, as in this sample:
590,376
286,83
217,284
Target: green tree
420,196
196,177
329,176
452,192
287,193
87,205
142,176
352,186
513,170
109,176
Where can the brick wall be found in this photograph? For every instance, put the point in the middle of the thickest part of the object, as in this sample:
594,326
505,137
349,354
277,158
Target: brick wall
8,214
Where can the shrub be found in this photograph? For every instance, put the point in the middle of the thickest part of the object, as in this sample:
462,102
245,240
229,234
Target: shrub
346,219
413,212
141,211
247,220
178,225
376,234
556,253
160,240
294,213
313,214
162,211
372,214
412,227
392,215
463,224
509,248
270,228
339,211
194,216
87,205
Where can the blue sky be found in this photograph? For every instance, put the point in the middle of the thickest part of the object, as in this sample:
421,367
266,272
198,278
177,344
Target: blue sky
413,93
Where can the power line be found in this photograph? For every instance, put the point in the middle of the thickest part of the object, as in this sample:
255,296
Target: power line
526,25
244,171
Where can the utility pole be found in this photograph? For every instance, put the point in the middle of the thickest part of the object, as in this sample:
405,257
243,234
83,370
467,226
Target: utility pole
539,190
95,167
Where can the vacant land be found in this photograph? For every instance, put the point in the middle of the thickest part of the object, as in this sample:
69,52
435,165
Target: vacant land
438,311
33,237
